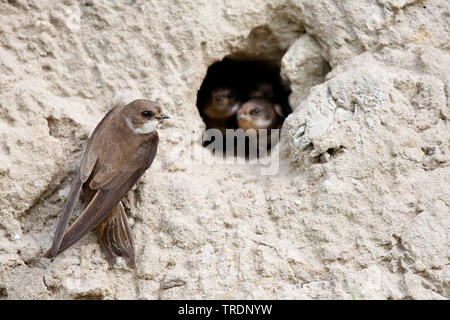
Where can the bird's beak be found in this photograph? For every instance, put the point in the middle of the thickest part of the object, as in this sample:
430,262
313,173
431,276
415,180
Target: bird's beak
163,116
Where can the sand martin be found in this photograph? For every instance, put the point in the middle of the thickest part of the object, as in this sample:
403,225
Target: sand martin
222,105
121,148
259,114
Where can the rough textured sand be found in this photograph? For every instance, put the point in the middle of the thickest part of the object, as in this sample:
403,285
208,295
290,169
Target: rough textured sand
362,197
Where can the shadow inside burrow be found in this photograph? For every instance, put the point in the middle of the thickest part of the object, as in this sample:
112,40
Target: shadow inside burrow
236,82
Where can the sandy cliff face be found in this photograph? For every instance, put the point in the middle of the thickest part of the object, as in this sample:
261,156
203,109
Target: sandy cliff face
361,200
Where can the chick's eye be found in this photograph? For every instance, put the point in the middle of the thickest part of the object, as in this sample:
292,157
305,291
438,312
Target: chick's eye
255,111
147,114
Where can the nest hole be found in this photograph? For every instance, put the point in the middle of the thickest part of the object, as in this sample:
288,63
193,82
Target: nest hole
237,94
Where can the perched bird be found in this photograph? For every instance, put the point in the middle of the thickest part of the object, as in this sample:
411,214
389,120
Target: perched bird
222,105
259,114
121,148
220,110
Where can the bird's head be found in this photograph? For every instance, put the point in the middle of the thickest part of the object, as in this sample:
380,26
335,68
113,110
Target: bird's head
223,104
142,116
256,114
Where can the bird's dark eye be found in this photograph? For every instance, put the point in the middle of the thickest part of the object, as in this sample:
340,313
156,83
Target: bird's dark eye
147,114
255,111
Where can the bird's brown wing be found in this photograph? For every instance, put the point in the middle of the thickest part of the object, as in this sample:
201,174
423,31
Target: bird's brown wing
110,193
65,216
88,161
93,148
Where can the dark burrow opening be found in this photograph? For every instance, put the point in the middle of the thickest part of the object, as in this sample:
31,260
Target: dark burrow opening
247,95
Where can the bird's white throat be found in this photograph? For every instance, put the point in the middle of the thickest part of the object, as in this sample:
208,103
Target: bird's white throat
146,128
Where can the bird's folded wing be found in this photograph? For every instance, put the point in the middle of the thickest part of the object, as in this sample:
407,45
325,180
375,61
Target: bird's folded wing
109,194
100,206
87,165
94,149
65,216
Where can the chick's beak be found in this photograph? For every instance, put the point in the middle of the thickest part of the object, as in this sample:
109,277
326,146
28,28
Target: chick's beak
163,116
